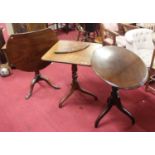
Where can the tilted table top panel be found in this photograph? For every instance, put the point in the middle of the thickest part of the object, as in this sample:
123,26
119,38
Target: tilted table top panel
119,67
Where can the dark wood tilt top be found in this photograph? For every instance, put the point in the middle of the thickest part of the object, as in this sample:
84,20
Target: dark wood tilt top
119,67
79,57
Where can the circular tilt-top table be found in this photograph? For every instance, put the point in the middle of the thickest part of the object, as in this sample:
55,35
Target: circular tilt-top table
120,68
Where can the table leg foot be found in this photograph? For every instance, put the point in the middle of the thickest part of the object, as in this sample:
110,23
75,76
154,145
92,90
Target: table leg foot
106,110
61,103
49,83
34,81
125,111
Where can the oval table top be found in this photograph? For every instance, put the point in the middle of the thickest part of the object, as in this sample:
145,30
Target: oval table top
119,67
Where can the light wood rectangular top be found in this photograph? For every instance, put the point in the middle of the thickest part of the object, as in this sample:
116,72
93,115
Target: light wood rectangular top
77,56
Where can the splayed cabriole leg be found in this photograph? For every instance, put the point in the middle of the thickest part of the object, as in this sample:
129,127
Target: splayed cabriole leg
38,77
48,82
106,110
125,111
34,81
74,86
114,99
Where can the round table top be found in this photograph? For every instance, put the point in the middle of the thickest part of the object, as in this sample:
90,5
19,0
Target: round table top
119,67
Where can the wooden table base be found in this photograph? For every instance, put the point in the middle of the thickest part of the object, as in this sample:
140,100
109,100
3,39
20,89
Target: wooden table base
74,86
38,77
114,99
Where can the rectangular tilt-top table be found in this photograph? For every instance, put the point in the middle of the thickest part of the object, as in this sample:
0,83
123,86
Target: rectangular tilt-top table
74,53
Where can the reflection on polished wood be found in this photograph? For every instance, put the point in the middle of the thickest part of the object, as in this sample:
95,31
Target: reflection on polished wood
69,47
81,57
120,68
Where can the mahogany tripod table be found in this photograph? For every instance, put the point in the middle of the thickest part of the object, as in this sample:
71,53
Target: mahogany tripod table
122,69
74,53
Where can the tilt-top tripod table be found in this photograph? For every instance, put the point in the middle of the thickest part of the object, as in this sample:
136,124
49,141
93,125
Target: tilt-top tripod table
120,68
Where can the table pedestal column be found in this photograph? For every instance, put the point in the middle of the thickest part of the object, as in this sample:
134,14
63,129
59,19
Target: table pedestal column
75,86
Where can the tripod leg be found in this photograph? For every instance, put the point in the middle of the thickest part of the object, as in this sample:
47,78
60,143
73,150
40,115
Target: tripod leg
87,92
106,110
125,111
66,97
34,81
48,82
